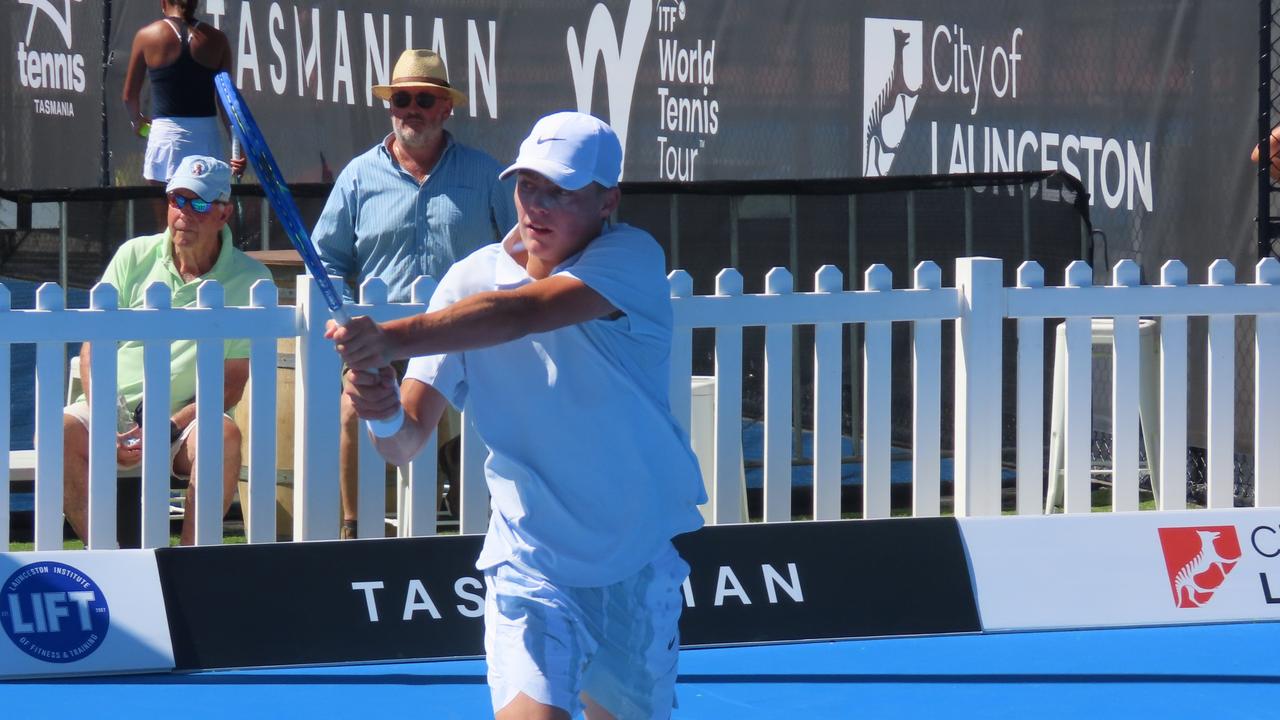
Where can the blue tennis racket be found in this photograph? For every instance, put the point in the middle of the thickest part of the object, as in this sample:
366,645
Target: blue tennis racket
259,155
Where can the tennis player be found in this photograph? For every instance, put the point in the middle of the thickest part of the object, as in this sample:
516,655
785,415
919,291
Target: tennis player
558,341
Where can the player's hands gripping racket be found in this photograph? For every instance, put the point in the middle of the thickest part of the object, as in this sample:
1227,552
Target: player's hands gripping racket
259,155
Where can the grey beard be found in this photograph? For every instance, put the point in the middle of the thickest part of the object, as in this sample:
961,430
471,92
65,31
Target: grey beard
410,137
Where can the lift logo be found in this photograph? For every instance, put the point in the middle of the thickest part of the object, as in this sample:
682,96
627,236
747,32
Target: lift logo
1198,560
621,60
893,67
53,612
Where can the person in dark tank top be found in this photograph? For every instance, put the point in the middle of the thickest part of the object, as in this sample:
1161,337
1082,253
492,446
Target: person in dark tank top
180,55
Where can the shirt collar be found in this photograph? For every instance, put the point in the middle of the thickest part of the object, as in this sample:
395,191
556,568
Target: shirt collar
224,254
510,273
384,148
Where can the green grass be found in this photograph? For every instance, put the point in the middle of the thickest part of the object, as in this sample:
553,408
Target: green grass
227,539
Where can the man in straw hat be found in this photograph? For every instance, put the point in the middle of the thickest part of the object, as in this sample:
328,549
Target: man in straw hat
558,340
411,205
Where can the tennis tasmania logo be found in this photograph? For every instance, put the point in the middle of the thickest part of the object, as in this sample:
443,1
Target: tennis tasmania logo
41,67
1198,560
893,72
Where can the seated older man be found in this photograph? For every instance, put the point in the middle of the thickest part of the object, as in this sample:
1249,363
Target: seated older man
196,246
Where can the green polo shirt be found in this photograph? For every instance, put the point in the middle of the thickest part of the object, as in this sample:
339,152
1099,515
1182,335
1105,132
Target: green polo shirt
147,259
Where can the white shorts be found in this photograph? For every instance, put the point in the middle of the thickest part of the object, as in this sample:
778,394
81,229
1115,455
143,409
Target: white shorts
618,643
172,139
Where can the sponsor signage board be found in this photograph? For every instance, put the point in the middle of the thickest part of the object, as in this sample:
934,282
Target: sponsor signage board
377,600
51,93
708,91
1125,569
82,612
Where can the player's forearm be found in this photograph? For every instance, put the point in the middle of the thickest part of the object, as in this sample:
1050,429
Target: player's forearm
478,321
403,446
422,407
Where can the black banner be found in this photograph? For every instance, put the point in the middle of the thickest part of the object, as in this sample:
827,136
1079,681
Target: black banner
811,580
353,601
1152,105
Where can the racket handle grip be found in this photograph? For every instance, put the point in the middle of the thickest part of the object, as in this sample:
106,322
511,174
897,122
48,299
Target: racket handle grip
386,427
236,152
380,427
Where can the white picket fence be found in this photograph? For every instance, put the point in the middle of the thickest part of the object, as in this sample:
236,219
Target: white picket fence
978,305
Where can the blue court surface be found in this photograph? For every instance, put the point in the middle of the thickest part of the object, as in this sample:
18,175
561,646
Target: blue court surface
1206,671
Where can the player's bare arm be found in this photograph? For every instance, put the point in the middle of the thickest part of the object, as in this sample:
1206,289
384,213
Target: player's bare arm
375,396
478,321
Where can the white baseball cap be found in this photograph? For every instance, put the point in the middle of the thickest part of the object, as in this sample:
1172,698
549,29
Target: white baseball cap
571,149
207,177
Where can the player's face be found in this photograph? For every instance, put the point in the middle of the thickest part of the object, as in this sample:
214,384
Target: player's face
416,126
556,223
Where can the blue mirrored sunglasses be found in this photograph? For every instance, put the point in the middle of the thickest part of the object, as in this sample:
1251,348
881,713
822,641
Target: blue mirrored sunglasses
197,205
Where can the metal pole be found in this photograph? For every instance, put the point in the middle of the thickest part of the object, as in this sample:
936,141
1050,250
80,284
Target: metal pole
62,246
1264,129
265,229
855,335
675,230
911,231
734,202
968,225
797,421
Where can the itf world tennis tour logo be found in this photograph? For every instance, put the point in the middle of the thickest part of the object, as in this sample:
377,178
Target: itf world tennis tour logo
1198,560
54,612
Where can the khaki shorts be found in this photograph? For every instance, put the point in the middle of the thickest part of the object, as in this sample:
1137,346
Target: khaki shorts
80,411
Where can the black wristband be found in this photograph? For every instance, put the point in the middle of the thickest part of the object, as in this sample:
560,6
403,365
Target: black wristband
175,432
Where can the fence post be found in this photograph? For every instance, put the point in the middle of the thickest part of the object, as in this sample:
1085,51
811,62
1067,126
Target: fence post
681,351
926,416
1266,461
727,499
1222,396
102,431
259,508
51,373
827,385
1173,397
877,401
210,377
978,378
156,383
1030,401
777,406
1077,415
315,417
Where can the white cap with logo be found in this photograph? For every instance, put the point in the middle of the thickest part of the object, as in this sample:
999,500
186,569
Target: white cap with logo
207,177
571,149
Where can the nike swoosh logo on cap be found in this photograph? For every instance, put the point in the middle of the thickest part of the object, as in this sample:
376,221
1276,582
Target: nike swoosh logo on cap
548,139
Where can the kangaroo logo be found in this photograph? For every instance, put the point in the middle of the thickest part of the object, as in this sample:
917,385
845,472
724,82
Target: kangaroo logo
1198,560
621,61
888,93
60,21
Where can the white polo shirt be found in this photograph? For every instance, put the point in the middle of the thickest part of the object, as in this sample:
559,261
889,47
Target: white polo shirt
588,471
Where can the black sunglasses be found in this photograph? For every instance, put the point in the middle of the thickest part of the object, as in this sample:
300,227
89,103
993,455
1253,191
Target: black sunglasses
425,100
198,205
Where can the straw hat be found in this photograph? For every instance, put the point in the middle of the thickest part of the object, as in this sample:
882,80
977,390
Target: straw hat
419,70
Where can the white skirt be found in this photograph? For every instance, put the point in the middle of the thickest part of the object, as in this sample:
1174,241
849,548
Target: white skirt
172,139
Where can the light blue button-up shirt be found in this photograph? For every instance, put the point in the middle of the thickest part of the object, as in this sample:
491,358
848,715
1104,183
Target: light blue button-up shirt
379,222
